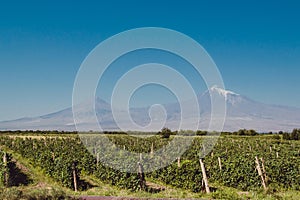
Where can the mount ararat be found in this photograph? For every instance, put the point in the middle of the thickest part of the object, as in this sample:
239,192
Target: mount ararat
241,112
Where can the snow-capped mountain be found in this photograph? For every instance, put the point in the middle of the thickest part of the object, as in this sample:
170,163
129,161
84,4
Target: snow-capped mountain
242,112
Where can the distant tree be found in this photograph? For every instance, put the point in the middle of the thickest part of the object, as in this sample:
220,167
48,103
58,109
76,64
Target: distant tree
251,132
286,136
295,135
245,132
242,132
200,133
165,132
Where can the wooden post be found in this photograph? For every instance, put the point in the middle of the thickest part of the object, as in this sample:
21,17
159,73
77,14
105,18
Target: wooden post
98,158
220,164
178,162
152,149
4,158
6,172
263,169
141,157
75,177
141,176
212,154
270,149
260,173
202,185
204,176
277,154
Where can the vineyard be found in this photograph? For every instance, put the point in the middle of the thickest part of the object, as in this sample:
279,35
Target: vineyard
246,163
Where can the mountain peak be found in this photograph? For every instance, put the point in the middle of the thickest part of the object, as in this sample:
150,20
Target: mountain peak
221,91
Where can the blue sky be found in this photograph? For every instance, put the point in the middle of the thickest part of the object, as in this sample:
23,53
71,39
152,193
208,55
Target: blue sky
255,44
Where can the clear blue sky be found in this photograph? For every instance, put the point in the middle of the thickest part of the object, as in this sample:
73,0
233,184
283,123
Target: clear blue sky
255,44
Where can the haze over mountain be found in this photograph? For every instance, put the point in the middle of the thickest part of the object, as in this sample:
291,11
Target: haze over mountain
242,112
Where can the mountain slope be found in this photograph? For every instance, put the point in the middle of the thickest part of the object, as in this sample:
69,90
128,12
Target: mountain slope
242,112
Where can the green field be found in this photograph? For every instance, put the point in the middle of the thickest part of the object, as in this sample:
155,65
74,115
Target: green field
57,164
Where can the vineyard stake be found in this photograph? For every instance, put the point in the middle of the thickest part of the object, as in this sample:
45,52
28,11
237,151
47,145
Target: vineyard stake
277,155
141,157
98,158
178,162
4,158
53,156
74,177
264,169
141,176
204,176
152,149
260,173
6,175
220,164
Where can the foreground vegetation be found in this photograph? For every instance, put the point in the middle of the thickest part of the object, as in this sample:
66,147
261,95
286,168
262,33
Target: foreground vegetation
231,167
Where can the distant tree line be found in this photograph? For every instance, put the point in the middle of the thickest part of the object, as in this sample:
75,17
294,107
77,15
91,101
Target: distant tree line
166,133
294,135
242,132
